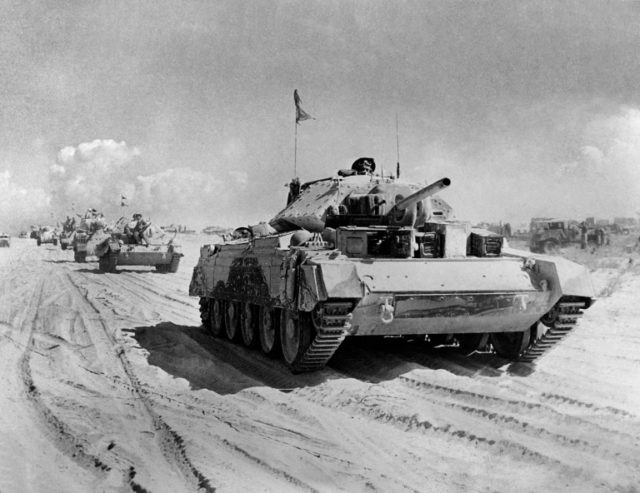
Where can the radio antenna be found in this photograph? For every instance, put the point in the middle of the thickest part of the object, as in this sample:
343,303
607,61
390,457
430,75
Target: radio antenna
397,149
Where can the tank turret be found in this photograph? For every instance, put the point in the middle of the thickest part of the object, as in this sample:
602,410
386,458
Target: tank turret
360,198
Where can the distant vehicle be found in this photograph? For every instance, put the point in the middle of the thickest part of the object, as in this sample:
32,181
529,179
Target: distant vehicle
89,225
180,228
549,235
67,234
149,246
23,234
47,234
5,240
619,229
216,230
629,222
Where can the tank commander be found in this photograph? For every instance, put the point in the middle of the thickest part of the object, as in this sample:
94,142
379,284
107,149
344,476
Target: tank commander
130,228
364,166
69,224
361,166
294,190
138,230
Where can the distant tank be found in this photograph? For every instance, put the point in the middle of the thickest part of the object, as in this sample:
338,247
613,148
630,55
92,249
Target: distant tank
359,254
149,246
66,236
47,234
85,230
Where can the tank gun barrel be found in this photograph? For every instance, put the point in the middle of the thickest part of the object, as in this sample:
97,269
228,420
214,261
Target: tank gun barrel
423,193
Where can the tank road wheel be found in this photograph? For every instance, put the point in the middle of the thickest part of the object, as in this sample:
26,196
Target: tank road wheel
80,257
216,317
268,330
231,319
248,324
296,334
207,316
470,343
108,262
510,344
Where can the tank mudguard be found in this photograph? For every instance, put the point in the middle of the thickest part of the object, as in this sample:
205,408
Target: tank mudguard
317,282
105,246
565,278
560,276
341,280
197,286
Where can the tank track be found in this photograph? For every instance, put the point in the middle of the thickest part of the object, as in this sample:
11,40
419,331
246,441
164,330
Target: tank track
567,314
332,325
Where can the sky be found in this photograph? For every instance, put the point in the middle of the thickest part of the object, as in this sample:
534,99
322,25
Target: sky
186,107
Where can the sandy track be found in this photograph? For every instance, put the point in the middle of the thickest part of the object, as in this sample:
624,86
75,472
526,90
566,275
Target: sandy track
123,375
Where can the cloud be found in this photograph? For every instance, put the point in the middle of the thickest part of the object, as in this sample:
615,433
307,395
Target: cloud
93,174
515,180
97,174
19,205
240,177
179,196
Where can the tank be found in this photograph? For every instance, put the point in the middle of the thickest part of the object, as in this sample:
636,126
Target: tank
47,234
87,227
5,240
359,254
151,247
67,233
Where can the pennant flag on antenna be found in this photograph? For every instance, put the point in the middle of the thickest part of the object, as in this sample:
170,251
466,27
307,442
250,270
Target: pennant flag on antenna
301,115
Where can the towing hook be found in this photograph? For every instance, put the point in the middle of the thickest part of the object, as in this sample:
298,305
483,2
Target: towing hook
386,312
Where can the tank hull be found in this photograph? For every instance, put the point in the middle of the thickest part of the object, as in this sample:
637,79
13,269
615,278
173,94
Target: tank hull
141,255
428,296
112,252
47,237
392,297
448,313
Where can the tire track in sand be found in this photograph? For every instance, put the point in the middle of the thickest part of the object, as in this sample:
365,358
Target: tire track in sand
171,443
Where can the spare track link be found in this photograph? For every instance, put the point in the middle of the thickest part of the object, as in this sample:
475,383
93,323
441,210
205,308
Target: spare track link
332,325
568,313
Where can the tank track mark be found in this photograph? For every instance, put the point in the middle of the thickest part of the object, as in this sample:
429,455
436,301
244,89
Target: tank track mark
567,315
332,323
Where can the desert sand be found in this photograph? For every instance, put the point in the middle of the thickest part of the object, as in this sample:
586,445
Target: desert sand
110,384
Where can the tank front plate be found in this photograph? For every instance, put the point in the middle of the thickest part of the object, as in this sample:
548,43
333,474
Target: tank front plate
449,313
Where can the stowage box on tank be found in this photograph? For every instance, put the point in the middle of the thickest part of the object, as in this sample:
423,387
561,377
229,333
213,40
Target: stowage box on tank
362,254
